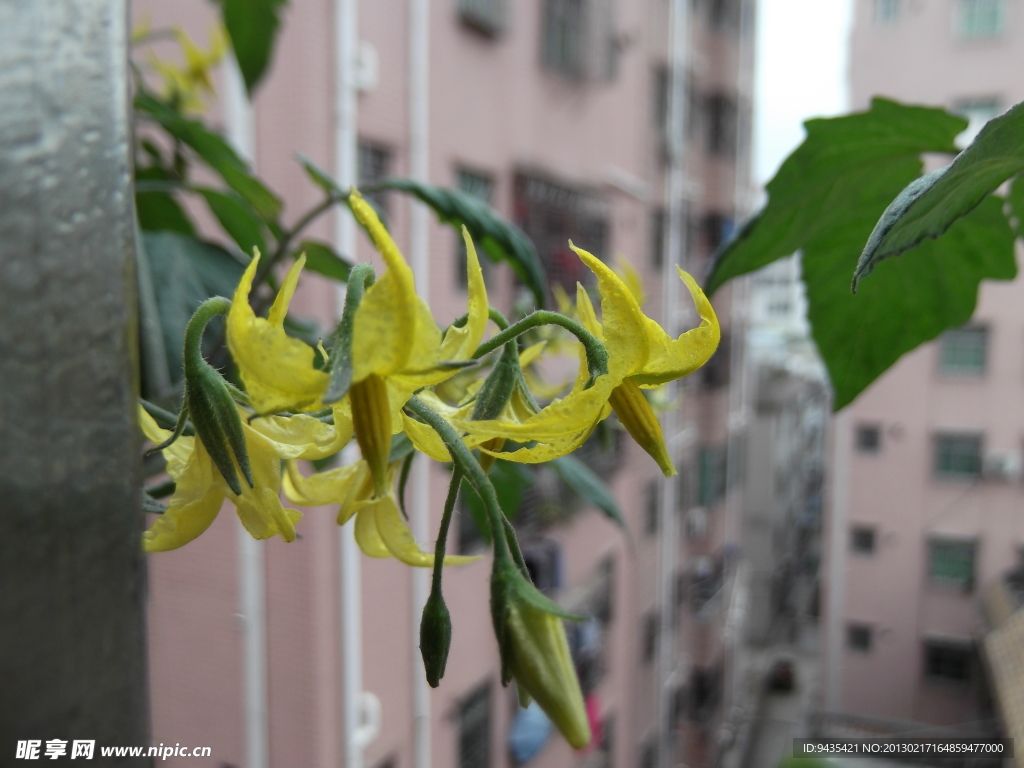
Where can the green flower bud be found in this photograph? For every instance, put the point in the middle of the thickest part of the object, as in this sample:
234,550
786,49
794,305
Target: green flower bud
535,652
435,637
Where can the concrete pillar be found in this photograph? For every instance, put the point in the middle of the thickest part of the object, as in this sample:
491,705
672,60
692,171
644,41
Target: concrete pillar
72,578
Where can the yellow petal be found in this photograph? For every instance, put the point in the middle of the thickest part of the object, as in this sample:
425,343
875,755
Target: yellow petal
562,300
279,309
460,343
585,308
531,353
631,279
305,437
367,536
385,323
567,416
637,416
542,452
331,486
399,539
670,359
198,496
259,508
177,453
425,439
277,370
622,321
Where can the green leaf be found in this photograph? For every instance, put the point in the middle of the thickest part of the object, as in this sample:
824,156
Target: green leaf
1016,201
498,238
322,259
929,205
907,301
158,209
187,271
216,152
848,169
252,26
588,486
825,201
238,218
320,177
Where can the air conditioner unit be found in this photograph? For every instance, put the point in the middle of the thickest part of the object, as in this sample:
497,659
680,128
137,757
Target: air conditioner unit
1002,465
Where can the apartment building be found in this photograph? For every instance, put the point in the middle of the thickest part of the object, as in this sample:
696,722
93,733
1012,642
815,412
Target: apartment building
557,113
926,466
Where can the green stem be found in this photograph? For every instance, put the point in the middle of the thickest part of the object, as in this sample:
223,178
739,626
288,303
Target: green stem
208,310
469,466
496,317
442,534
164,418
597,355
285,242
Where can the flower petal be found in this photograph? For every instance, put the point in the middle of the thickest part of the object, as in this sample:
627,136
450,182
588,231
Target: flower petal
399,539
198,496
671,359
304,437
277,370
367,536
460,343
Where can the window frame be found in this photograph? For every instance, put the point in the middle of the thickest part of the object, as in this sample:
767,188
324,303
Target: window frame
970,30
861,446
472,698
853,629
938,541
958,370
943,645
859,528
948,474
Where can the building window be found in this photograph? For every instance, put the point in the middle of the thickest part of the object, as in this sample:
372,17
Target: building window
951,562
887,11
958,457
721,118
963,351
475,728
485,16
869,438
481,187
649,645
711,475
373,166
563,36
947,662
716,228
725,15
862,540
981,18
858,637
715,373
649,755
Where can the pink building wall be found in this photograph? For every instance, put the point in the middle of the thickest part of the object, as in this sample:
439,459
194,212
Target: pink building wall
920,58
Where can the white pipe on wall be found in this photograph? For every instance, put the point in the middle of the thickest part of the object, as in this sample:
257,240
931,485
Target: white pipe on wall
842,454
355,734
673,254
241,130
419,245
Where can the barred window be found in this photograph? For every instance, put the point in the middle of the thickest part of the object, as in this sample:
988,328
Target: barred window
887,11
963,351
981,18
373,166
951,562
958,457
475,728
480,186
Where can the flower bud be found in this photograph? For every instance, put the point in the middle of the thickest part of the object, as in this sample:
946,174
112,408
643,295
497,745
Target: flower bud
535,652
637,416
435,637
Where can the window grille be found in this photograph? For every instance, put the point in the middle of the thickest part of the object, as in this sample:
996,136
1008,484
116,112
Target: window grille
963,351
951,562
958,456
475,728
981,18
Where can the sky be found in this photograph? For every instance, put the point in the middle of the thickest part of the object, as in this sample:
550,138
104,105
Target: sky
800,73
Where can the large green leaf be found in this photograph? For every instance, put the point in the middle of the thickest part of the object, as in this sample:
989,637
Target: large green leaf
216,152
186,272
500,239
588,486
825,201
238,218
1016,200
253,27
156,208
907,301
929,205
848,168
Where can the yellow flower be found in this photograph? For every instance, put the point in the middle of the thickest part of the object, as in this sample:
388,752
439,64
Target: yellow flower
189,84
277,369
640,355
397,347
200,489
379,528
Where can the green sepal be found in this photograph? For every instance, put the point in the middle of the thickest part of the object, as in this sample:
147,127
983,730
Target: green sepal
340,362
497,387
179,428
403,480
435,637
210,431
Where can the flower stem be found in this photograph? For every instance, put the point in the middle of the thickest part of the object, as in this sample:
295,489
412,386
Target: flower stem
208,310
470,467
442,534
597,355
